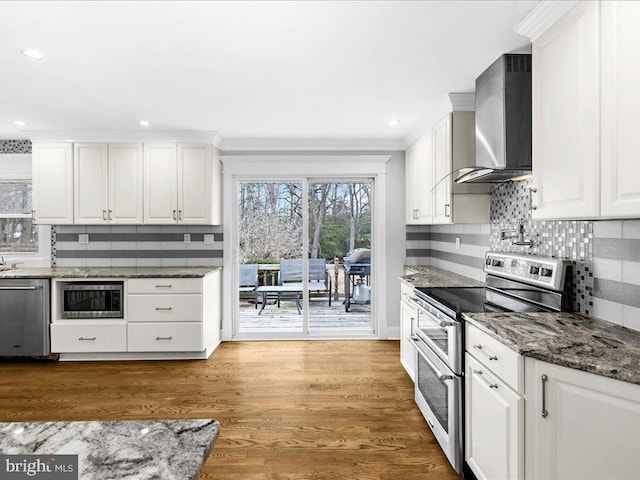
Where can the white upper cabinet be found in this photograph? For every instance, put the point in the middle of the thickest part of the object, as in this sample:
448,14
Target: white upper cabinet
620,109
53,183
585,121
566,136
454,147
125,183
91,186
419,180
431,195
108,183
199,187
442,167
160,184
181,184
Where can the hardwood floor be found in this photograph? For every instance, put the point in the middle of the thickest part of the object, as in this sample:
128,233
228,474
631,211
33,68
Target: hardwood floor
288,410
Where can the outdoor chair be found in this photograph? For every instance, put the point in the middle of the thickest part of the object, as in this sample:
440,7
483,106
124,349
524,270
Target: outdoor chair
291,272
248,280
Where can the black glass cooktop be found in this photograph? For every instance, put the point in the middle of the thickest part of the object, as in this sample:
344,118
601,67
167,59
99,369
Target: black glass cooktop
459,300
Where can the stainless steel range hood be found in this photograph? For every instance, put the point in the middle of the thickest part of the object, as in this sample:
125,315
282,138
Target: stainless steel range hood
503,122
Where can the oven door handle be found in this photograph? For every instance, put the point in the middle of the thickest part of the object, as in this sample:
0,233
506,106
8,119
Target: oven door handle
438,373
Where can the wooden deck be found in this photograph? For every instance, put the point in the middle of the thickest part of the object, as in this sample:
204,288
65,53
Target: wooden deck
322,317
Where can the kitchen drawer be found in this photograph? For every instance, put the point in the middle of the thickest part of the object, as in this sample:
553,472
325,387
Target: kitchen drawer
164,308
88,338
165,285
497,357
165,337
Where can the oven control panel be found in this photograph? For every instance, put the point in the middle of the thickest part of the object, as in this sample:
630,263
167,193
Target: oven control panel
546,272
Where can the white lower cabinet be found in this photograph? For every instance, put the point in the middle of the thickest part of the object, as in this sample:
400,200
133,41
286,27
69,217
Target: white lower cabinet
407,351
494,408
173,315
80,337
580,425
165,337
494,418
164,308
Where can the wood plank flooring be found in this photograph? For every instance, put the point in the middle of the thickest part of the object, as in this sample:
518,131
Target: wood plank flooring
288,410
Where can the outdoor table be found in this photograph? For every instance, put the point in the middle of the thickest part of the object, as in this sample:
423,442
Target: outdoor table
279,290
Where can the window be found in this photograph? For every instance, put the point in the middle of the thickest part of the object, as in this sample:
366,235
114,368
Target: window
17,232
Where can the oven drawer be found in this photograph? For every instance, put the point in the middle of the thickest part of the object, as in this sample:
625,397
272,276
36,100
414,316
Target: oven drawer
81,338
165,285
164,308
495,356
165,337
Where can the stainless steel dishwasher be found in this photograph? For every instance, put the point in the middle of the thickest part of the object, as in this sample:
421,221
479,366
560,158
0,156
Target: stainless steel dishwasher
24,317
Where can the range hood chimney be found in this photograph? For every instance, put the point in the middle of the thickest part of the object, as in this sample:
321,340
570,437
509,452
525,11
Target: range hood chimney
503,122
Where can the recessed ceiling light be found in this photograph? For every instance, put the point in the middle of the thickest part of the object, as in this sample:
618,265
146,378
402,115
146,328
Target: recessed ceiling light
31,53
144,123
394,122
20,123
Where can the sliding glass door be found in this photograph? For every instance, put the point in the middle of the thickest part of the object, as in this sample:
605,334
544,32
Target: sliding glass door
303,258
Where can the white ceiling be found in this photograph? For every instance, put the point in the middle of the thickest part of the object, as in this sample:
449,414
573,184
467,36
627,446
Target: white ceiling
311,70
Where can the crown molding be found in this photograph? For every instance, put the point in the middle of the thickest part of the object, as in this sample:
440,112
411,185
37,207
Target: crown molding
463,102
309,144
186,136
545,14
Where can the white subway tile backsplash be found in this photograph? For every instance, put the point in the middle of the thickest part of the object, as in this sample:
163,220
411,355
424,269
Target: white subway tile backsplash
608,269
631,229
607,229
631,317
631,272
606,310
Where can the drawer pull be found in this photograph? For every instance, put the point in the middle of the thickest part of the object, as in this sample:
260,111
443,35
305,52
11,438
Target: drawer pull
481,350
545,412
164,338
87,339
489,384
167,309
164,286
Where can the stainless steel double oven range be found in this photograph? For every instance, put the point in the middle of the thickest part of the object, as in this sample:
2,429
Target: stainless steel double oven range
516,283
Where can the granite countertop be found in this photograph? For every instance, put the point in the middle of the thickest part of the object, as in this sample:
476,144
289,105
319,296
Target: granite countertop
107,272
430,277
167,449
569,339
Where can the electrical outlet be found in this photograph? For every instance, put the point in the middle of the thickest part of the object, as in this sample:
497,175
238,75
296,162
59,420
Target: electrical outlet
83,238
187,238
209,239
457,243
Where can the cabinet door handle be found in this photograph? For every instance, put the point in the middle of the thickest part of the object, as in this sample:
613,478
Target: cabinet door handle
164,286
480,348
180,215
544,412
173,214
446,210
33,214
534,207
167,309
486,382
104,215
110,212
164,338
88,339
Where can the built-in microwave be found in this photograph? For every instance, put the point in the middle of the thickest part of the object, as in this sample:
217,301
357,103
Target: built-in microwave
91,299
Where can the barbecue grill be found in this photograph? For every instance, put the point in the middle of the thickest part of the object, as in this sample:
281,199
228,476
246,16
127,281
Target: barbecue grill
357,263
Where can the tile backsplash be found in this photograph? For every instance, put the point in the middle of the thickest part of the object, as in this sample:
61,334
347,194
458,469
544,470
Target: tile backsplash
15,146
137,246
566,239
605,253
